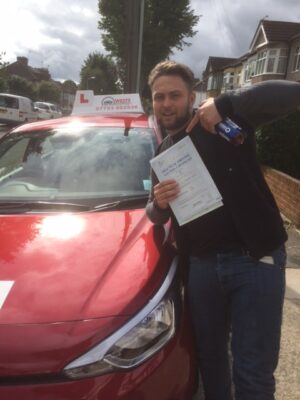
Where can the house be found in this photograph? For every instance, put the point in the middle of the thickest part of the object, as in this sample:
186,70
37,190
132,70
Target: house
270,55
200,91
22,69
274,53
214,74
232,74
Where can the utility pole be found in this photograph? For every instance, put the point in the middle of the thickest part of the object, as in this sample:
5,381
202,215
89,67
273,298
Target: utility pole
134,38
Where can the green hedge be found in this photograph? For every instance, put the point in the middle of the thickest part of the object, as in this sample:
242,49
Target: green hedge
278,145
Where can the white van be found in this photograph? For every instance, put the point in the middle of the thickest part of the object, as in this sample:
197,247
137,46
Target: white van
47,110
16,109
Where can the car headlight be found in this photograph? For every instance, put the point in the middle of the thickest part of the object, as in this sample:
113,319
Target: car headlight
136,341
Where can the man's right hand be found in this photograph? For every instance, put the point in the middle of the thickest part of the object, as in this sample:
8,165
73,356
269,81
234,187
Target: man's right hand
164,192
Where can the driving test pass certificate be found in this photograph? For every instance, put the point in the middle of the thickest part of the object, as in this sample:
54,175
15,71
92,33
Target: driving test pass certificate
198,192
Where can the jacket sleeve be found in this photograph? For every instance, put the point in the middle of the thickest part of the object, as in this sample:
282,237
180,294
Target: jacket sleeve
261,103
154,213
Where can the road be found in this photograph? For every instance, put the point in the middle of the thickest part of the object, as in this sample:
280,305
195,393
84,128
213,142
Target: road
3,129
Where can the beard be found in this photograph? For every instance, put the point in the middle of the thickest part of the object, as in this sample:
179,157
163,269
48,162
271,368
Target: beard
177,122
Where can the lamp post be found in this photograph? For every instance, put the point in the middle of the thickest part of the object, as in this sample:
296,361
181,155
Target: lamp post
87,81
134,36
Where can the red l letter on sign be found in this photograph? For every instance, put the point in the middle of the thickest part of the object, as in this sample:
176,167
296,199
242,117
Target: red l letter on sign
82,99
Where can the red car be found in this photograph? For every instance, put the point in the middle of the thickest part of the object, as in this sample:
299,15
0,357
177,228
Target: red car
92,303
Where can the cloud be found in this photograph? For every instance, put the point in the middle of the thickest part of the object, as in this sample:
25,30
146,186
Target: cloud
59,34
52,34
226,28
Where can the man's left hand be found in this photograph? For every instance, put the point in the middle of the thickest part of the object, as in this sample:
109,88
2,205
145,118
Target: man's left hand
208,116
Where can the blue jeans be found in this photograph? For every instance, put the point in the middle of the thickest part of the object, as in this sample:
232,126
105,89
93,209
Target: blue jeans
237,298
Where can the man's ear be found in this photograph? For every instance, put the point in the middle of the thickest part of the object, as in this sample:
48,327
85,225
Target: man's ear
192,98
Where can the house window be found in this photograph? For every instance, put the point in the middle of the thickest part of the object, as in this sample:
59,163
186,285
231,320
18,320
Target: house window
271,61
209,83
260,63
246,73
228,80
296,62
219,81
282,61
215,82
250,69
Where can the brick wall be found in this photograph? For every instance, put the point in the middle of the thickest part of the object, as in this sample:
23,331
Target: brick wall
286,191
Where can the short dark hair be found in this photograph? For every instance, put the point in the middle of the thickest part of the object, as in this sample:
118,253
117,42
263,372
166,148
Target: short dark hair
169,67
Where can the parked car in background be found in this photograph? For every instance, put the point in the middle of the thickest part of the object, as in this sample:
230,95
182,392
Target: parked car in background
47,110
92,298
16,109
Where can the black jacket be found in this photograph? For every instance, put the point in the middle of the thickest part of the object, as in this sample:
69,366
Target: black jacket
236,171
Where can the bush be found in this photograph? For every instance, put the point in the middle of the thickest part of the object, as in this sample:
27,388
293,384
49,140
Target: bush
3,85
278,145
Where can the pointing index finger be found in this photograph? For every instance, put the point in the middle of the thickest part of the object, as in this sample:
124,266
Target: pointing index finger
192,123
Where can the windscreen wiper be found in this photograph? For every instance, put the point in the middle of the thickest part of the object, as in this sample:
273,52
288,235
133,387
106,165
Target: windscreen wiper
120,204
19,207
32,206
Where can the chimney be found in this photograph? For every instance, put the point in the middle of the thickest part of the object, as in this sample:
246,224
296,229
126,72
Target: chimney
22,60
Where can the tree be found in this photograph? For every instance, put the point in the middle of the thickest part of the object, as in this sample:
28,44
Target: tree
167,24
100,74
278,144
69,86
49,92
2,63
3,84
3,75
68,90
21,87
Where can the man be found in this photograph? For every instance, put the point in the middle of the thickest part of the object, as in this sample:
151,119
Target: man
236,252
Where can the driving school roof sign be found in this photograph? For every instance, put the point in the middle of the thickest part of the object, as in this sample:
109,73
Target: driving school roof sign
86,103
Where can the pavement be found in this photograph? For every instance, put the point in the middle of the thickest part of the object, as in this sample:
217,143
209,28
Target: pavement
292,245
293,262
288,371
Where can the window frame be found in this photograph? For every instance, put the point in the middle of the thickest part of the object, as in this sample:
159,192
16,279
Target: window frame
259,65
296,59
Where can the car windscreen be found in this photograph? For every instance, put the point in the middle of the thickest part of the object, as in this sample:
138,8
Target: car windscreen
87,166
9,102
42,106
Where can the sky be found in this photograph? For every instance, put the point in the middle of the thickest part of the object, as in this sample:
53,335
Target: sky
60,34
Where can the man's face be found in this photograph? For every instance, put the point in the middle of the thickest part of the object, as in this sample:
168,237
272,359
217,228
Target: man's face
172,102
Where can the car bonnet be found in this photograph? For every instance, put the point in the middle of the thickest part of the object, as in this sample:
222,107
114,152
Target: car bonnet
70,267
